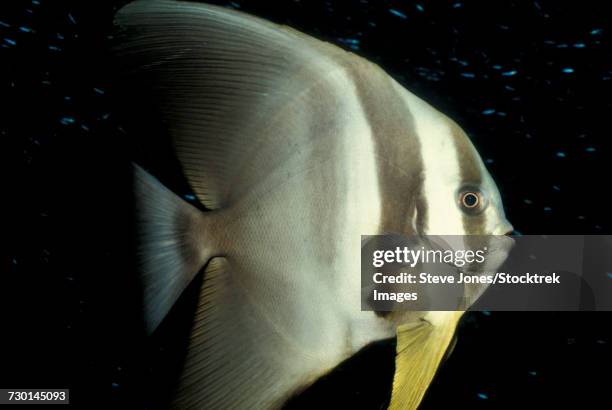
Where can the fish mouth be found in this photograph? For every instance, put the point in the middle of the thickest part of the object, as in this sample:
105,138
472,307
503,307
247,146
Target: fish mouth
505,228
511,235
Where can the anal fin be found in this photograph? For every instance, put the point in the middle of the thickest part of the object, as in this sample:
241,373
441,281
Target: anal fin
236,358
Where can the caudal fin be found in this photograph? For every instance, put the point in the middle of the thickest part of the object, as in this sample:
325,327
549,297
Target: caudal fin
170,246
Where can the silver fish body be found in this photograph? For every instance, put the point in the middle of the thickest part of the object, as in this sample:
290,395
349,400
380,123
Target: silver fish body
297,148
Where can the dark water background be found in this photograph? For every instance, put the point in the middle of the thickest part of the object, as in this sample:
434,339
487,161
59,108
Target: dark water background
530,81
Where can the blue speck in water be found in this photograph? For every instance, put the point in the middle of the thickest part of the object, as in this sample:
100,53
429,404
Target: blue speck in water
59,36
556,187
25,29
468,75
509,73
489,161
590,149
488,111
486,313
67,120
71,18
596,31
497,67
398,13
482,396
579,45
190,197
561,154
528,201
457,5
115,385
501,113
533,373
609,274
98,91
353,43
54,48
35,2
420,8
3,24
10,42
547,209
568,70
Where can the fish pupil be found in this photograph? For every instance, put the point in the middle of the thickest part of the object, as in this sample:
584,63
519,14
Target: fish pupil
470,200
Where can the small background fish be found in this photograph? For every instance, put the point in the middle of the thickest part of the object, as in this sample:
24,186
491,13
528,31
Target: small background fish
530,83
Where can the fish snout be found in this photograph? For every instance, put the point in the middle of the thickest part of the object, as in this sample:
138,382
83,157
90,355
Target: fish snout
504,234
505,229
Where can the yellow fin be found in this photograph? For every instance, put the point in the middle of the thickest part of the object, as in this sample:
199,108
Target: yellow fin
421,346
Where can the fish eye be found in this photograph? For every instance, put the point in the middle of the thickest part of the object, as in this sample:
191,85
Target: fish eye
471,200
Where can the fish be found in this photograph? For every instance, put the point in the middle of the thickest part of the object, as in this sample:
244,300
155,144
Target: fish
294,148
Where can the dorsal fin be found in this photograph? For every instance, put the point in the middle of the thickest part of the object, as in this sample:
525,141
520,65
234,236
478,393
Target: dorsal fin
225,84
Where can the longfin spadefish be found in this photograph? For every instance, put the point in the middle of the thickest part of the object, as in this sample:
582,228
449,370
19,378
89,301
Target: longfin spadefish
421,346
224,84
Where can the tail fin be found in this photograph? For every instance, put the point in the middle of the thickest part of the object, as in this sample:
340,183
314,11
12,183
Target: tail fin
170,249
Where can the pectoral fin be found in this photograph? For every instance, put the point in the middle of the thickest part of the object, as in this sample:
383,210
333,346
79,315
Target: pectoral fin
421,346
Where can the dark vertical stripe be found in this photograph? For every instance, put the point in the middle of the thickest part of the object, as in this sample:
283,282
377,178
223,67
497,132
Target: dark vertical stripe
398,152
470,175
